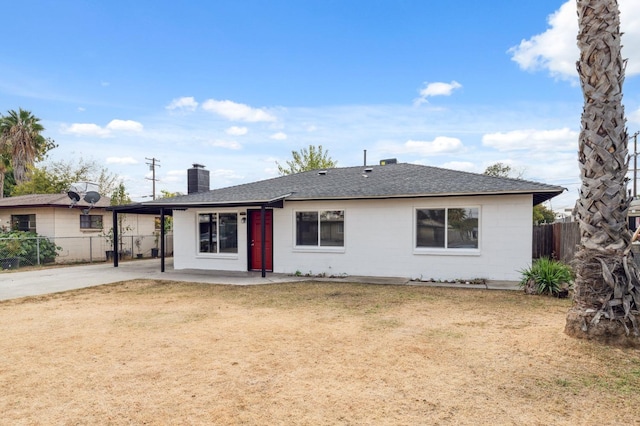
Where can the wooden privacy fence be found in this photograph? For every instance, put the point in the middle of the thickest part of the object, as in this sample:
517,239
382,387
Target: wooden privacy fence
556,240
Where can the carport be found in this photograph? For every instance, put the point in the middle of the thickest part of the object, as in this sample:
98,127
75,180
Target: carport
166,207
140,208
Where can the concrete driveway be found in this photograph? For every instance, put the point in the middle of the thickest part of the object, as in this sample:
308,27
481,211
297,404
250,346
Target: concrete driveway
15,284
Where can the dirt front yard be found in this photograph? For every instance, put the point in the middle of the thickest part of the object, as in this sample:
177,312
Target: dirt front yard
157,353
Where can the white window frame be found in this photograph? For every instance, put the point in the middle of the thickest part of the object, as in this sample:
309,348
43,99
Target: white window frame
217,254
446,250
319,248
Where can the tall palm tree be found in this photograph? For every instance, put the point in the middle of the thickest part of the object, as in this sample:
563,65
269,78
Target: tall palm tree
21,143
607,281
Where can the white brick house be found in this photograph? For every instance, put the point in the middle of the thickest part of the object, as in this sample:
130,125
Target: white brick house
394,220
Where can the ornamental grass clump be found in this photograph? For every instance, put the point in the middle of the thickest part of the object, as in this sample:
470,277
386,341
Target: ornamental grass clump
547,276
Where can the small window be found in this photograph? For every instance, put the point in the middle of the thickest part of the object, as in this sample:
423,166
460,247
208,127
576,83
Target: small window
218,233
23,222
320,229
90,221
452,228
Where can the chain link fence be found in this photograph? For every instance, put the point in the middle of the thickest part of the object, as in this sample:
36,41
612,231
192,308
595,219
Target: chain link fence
16,252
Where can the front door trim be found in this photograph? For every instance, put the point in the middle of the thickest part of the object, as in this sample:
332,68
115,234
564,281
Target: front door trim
265,237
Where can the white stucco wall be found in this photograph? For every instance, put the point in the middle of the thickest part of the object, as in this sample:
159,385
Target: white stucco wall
380,241
63,224
186,239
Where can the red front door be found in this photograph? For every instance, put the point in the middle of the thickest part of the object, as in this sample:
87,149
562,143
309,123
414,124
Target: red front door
255,240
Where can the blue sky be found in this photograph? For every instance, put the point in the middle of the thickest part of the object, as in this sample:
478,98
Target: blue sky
237,85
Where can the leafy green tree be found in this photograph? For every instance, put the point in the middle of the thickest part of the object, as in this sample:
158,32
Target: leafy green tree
9,181
56,177
120,196
311,158
502,170
167,194
542,214
21,144
498,169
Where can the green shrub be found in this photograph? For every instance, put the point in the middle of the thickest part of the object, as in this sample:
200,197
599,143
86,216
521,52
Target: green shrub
547,276
24,245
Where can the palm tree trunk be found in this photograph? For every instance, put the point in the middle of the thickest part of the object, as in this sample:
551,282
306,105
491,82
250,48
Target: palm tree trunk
607,281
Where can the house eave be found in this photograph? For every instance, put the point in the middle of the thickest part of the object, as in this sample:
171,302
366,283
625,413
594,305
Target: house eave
538,196
155,208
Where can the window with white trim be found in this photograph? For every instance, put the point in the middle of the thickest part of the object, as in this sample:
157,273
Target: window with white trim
91,221
324,228
218,233
447,228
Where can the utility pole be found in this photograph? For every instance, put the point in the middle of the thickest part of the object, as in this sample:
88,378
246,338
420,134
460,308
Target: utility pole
635,164
152,166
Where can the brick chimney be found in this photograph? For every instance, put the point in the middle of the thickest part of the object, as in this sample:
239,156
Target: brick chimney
197,179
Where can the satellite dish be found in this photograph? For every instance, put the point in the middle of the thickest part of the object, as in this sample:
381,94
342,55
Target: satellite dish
87,191
92,197
75,197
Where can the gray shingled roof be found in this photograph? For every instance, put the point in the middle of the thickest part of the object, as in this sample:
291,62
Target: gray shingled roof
47,200
390,181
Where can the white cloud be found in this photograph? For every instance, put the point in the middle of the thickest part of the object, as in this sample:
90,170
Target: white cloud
85,129
556,51
440,145
175,176
280,136
630,26
225,173
237,112
634,117
91,129
125,126
186,103
436,89
121,160
465,166
530,139
225,144
237,131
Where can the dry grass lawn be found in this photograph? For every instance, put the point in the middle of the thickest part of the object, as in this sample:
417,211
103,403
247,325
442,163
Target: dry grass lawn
157,353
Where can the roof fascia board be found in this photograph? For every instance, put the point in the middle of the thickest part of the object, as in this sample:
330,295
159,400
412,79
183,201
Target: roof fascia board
447,195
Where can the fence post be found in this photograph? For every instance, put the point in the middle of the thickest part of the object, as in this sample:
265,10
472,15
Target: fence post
90,249
38,250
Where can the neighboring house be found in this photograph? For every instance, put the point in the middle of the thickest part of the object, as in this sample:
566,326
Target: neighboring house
394,220
52,216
